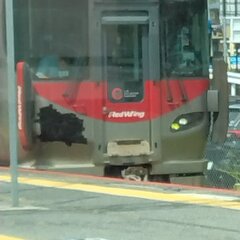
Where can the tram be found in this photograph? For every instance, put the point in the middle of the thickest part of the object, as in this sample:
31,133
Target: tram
116,84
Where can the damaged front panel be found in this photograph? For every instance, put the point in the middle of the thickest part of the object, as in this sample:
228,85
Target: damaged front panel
56,126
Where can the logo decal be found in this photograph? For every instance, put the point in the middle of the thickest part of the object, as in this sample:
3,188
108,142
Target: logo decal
117,94
126,114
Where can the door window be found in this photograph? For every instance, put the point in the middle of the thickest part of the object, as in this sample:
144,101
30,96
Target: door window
123,65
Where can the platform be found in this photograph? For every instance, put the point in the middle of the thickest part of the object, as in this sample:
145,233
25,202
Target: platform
76,207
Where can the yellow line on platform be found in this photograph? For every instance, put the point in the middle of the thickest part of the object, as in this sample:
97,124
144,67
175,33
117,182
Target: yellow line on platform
187,198
4,237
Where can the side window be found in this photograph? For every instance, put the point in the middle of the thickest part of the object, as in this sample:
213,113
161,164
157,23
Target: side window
52,37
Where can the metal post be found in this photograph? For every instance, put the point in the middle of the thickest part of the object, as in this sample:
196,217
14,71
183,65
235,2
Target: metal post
224,40
224,32
12,102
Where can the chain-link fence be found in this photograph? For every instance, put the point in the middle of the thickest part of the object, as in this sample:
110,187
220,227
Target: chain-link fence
224,163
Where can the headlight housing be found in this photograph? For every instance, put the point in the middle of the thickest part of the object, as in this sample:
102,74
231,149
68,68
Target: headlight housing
186,121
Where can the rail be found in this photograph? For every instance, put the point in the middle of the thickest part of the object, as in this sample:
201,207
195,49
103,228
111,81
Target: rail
234,80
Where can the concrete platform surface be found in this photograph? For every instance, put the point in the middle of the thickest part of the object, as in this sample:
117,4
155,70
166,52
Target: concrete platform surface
76,207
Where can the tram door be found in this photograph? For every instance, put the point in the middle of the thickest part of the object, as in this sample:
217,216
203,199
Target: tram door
126,59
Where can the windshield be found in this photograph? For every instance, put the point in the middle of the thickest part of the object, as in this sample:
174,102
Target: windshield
47,31
183,38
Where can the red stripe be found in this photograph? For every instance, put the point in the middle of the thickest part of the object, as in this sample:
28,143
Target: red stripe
88,97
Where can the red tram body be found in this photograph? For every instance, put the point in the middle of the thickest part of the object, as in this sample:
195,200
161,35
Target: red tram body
133,93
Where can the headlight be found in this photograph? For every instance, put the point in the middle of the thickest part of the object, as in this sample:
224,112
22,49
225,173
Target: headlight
175,126
183,121
186,121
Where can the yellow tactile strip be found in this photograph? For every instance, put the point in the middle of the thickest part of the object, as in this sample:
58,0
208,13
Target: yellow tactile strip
4,237
187,198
